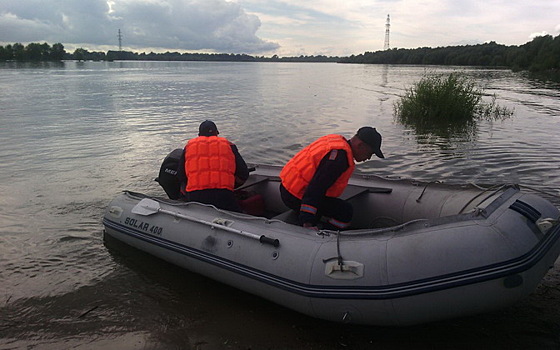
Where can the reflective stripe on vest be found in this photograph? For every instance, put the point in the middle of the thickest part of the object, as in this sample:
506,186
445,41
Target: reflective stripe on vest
299,171
209,164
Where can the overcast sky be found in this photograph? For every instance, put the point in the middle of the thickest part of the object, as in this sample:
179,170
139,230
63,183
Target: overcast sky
268,27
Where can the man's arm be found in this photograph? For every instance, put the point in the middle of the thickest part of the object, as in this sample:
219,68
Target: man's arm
181,175
241,170
331,167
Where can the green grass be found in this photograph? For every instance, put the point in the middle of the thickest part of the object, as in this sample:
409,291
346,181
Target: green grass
446,105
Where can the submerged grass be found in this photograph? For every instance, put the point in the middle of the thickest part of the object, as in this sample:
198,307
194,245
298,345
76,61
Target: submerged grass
446,105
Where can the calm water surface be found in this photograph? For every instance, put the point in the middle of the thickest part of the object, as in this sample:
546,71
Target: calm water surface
73,135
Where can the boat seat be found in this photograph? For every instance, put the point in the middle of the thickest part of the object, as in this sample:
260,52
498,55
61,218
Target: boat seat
353,192
289,216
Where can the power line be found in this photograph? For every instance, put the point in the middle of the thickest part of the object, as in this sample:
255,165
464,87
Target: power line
387,26
120,40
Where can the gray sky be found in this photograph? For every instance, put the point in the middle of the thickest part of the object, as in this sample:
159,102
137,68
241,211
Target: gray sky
267,27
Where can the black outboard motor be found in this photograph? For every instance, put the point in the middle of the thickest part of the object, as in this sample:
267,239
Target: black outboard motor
168,178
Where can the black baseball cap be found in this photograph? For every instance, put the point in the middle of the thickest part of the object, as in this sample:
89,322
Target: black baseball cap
370,136
207,128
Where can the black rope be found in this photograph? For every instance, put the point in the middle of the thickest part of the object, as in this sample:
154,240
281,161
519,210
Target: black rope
340,260
424,190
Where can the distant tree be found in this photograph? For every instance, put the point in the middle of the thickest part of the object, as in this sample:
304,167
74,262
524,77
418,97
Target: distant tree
6,53
80,54
45,51
97,56
57,52
18,51
33,52
540,54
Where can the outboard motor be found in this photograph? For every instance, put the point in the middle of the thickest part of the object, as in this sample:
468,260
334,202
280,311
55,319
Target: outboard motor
168,178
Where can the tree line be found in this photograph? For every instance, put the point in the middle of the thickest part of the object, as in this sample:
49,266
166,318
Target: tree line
32,52
540,54
221,57
44,52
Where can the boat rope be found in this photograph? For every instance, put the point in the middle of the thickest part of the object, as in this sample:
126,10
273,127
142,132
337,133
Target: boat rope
519,185
381,230
540,191
484,188
495,190
339,257
424,190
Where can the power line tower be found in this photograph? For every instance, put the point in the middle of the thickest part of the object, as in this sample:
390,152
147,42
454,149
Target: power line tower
120,40
387,26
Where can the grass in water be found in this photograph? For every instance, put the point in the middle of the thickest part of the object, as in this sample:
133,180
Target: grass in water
446,105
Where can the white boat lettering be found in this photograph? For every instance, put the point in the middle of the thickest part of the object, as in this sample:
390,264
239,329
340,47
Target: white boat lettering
144,226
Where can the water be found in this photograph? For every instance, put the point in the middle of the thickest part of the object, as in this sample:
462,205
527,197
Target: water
74,134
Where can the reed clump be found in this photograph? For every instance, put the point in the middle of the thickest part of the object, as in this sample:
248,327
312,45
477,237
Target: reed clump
446,104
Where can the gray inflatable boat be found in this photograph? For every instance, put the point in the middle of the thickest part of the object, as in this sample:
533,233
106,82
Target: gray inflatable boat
416,252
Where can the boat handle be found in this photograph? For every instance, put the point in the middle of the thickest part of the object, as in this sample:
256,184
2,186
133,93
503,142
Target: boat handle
267,240
526,210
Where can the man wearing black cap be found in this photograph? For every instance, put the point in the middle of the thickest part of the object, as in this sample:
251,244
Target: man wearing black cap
213,167
314,178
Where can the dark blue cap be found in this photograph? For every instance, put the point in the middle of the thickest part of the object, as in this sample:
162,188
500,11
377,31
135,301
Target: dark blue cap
370,136
207,128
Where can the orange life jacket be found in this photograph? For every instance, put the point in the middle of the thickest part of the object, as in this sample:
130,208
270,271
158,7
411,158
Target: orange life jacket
209,164
299,171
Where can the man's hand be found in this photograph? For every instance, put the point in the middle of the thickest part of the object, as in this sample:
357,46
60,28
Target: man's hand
310,226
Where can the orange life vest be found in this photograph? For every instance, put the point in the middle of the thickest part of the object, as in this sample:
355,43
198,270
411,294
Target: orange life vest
209,164
299,171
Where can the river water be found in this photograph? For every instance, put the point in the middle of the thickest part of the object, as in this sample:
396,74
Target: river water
74,134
